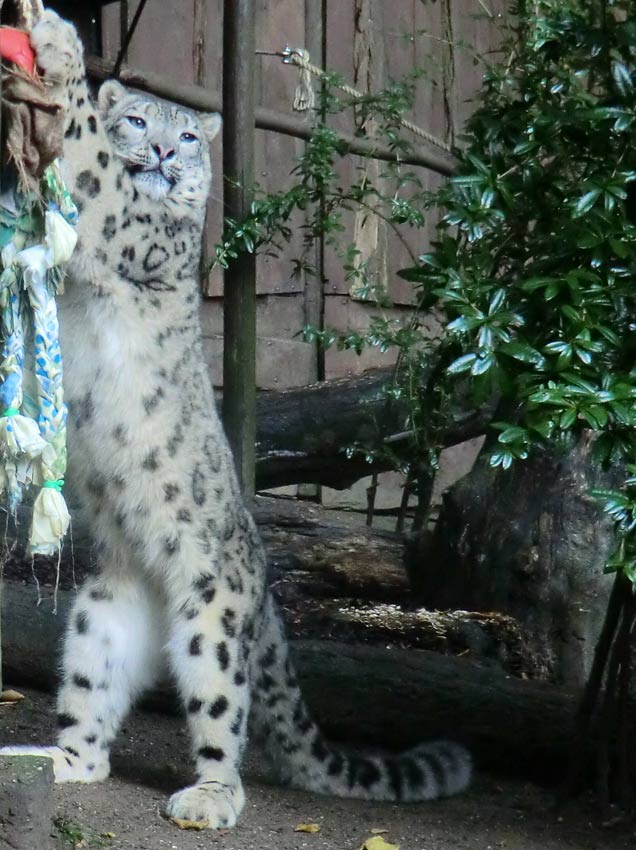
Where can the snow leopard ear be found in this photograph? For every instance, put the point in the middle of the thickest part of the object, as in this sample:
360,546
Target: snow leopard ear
210,124
109,94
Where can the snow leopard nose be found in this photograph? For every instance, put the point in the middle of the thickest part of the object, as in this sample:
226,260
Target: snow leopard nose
163,152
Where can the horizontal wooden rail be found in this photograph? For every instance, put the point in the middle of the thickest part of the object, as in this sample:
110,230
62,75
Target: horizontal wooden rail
197,97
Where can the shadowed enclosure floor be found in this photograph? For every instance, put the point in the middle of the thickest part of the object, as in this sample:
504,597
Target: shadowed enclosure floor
149,762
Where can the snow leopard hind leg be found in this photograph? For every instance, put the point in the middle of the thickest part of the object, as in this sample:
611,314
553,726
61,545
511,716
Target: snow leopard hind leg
112,654
302,758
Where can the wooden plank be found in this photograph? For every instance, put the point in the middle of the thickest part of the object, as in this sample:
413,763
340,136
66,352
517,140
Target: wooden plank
168,25
280,363
276,316
278,24
406,51
315,43
1,586
207,36
110,30
474,27
199,35
394,35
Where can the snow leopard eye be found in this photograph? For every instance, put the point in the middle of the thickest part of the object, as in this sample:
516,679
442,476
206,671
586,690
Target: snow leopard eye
188,137
136,121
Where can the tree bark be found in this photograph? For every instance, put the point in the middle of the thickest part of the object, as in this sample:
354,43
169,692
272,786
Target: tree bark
532,542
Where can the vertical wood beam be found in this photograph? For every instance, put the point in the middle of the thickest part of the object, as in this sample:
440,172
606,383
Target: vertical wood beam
239,324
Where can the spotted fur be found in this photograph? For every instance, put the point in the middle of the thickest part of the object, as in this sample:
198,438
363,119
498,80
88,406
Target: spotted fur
181,569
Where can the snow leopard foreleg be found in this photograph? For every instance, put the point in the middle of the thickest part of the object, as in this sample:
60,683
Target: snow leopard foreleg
210,670
209,648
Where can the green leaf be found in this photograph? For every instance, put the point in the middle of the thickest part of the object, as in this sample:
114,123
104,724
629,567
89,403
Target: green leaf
482,365
531,284
623,79
570,313
416,274
467,180
544,427
524,352
496,301
568,418
586,202
462,364
513,434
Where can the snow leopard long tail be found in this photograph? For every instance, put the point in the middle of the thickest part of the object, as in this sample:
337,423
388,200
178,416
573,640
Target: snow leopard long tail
303,759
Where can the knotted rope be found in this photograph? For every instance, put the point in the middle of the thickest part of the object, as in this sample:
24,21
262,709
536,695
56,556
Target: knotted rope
304,98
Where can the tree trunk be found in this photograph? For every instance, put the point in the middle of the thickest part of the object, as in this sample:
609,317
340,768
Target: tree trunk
530,542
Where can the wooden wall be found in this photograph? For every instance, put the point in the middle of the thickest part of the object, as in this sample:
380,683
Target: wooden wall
368,42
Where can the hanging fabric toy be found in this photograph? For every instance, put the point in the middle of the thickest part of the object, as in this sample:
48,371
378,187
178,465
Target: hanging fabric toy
37,238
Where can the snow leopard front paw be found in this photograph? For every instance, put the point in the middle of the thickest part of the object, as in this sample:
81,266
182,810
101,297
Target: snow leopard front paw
67,767
59,51
213,803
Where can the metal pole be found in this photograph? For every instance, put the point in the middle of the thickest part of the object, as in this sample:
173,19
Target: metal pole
239,353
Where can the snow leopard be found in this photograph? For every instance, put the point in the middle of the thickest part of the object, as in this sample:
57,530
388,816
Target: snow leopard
181,572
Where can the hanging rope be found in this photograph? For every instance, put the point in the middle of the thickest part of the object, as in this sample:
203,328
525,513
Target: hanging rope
304,95
37,238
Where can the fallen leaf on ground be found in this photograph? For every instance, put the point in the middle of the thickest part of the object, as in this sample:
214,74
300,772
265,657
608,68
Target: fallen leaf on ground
182,823
378,830
378,843
307,827
10,697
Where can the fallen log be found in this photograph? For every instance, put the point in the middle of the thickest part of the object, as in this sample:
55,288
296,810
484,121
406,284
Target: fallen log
361,693
334,578
302,435
348,582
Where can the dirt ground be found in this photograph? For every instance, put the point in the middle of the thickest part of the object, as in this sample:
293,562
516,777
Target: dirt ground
149,762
